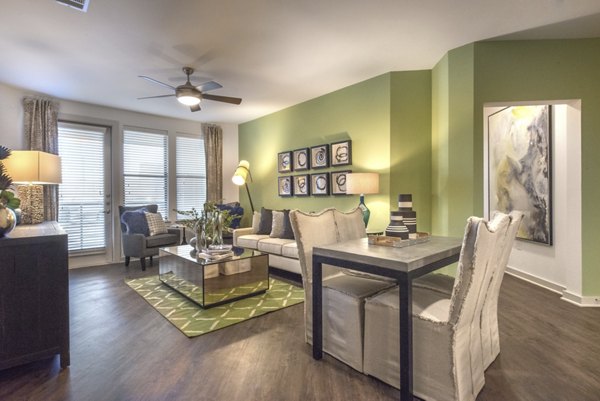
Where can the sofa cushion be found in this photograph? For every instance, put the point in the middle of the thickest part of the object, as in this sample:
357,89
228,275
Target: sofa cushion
234,209
156,224
162,240
266,221
250,241
255,222
135,222
277,224
288,232
290,250
272,245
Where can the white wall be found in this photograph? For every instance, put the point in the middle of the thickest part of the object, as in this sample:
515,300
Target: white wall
11,135
557,267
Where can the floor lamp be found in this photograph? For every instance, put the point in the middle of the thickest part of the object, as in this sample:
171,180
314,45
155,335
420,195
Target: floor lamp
362,183
241,176
33,168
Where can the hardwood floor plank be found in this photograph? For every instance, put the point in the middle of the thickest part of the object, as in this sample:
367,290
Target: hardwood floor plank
122,349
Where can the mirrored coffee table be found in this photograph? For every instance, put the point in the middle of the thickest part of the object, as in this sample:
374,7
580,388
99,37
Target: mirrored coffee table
210,283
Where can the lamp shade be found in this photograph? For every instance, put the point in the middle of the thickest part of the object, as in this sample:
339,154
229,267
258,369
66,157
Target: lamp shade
241,173
362,183
33,167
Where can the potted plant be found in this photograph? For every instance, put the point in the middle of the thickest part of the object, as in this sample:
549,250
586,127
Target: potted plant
208,224
8,201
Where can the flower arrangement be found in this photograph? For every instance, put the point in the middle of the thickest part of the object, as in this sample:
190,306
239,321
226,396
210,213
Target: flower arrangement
208,223
7,197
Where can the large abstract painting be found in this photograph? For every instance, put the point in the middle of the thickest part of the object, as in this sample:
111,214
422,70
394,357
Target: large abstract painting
519,157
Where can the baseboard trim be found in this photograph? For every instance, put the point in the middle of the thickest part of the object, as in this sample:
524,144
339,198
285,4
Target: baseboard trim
581,301
540,282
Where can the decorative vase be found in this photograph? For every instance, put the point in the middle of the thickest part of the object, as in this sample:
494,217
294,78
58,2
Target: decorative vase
202,240
217,230
8,220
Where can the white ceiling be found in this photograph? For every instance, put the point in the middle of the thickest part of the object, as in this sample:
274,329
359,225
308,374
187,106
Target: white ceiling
271,53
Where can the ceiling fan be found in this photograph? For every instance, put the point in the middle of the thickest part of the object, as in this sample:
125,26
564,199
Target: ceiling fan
191,95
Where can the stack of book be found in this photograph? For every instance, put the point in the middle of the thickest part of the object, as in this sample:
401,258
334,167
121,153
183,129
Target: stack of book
215,254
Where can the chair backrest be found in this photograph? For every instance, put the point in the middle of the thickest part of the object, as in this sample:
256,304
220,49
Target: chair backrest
123,209
482,246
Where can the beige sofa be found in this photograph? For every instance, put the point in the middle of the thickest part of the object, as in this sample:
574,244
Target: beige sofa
283,253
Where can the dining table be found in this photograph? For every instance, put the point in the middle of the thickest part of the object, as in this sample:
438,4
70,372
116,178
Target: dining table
404,264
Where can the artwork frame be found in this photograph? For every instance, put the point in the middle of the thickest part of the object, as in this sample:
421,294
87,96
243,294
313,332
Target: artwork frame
341,153
302,185
284,186
284,162
301,159
319,156
337,186
520,168
319,184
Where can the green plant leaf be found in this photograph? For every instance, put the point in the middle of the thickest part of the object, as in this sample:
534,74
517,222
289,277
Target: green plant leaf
4,152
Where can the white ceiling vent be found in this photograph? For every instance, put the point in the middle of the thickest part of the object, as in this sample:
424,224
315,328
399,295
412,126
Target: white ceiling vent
81,5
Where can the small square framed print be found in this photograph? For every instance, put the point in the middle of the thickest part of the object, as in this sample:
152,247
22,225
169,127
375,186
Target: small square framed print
338,182
284,162
301,159
319,156
302,185
284,185
341,153
319,184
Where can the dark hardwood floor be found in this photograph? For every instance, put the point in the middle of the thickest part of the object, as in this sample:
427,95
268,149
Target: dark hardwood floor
121,349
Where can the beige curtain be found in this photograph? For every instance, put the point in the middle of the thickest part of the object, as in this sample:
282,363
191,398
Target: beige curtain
213,149
41,133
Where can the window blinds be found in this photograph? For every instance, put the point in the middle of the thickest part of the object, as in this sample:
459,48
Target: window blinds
81,194
191,173
145,167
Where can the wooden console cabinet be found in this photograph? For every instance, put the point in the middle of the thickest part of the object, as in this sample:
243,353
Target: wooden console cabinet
34,295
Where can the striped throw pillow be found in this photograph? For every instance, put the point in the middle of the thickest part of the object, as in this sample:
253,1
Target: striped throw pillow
156,225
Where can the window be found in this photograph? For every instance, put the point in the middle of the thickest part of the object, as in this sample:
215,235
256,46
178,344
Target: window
190,172
82,192
145,177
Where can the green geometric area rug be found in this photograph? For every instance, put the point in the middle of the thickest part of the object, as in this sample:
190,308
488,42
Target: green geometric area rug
194,321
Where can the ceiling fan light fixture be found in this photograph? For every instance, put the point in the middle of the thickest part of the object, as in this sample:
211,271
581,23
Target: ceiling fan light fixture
188,100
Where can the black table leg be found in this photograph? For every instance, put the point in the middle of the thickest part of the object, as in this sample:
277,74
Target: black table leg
406,355
317,309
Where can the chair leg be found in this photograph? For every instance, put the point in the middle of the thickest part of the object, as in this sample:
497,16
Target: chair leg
143,262
150,260
127,259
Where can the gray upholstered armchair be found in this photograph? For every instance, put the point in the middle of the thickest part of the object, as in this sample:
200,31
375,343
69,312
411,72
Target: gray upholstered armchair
137,241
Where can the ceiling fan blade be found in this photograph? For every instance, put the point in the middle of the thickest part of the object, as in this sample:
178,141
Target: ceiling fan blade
153,97
226,99
209,86
156,82
195,108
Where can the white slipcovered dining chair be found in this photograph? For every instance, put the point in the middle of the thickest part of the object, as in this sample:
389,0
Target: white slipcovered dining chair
343,294
447,355
490,339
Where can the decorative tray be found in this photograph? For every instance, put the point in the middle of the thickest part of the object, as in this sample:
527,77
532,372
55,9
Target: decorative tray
396,242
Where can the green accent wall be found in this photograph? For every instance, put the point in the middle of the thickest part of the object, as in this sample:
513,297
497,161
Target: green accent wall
388,119
410,142
508,71
360,112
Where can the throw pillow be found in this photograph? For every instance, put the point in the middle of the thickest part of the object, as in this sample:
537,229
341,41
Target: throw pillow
255,222
135,222
156,224
288,232
266,221
277,226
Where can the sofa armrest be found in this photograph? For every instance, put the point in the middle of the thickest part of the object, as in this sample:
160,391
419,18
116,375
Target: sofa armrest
238,232
134,244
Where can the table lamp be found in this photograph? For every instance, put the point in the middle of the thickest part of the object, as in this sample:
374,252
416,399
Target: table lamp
241,176
362,183
33,168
